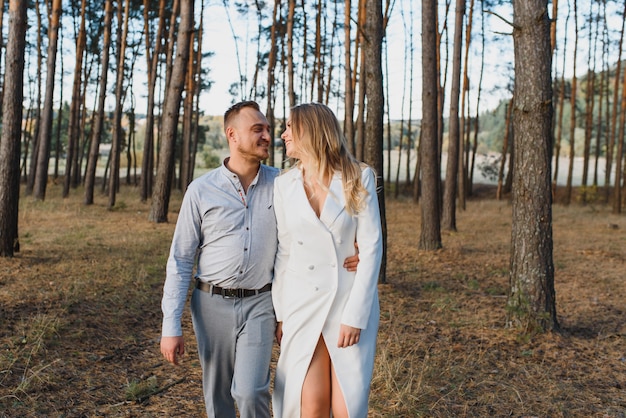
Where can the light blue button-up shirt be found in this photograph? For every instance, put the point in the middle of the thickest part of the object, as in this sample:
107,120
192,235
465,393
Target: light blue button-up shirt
227,235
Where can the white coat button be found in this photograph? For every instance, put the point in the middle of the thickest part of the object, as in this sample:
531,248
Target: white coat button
339,240
317,288
311,267
300,242
333,265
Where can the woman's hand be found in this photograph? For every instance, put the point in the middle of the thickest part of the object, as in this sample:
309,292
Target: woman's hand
279,332
348,336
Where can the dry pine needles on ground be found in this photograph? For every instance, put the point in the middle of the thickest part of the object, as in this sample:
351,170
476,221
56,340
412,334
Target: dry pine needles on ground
80,318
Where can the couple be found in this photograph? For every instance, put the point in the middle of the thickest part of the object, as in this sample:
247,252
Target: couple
242,225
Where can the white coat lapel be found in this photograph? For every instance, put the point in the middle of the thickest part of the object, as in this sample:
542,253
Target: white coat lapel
335,201
300,200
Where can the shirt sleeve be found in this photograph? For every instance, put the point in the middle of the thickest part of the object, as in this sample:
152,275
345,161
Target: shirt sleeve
180,263
369,239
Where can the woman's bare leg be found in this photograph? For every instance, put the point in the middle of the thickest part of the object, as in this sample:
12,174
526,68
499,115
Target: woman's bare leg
316,395
338,403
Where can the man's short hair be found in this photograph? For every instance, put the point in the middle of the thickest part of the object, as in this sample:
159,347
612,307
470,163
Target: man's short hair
236,108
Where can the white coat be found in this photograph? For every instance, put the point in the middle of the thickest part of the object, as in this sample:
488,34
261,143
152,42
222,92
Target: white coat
313,293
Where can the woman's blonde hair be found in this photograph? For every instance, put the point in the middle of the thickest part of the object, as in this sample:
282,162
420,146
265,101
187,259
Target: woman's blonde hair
320,138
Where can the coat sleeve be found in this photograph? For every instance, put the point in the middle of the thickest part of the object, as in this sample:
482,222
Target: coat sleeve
369,238
282,252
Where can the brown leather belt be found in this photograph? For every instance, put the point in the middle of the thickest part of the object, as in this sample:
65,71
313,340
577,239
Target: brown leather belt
231,293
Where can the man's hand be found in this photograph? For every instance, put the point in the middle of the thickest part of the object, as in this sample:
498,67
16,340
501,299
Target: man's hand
172,348
348,336
350,263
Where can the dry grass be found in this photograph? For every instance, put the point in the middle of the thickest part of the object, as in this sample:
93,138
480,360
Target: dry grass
80,318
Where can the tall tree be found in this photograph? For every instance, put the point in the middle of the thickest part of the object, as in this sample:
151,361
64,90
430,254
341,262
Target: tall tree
590,91
619,152
531,301
96,132
45,132
454,136
118,133
572,129
290,68
612,138
560,106
75,106
430,235
153,50
375,107
35,120
348,121
165,169
186,163
11,129
271,74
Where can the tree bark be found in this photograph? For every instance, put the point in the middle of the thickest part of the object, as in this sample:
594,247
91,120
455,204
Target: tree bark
75,106
161,195
271,76
454,132
94,149
118,133
430,235
186,152
572,130
152,57
36,119
531,303
375,109
348,122
45,133
11,129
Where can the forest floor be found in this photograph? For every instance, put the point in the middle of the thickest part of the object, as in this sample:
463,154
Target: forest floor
80,317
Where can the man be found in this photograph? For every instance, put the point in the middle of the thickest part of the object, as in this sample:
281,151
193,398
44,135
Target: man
226,229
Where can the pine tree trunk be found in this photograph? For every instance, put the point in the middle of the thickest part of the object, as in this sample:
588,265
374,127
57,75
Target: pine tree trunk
430,233
572,129
153,51
75,106
531,304
45,133
11,129
94,149
451,187
118,133
375,108
348,122
165,169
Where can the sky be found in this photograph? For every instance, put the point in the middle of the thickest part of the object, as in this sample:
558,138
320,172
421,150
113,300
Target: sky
405,17
497,78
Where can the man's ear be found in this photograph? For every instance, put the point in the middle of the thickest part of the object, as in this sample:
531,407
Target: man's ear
230,134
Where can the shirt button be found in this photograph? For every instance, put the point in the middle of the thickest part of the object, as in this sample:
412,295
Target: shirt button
245,249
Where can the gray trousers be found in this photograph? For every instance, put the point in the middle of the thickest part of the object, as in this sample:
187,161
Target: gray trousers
235,338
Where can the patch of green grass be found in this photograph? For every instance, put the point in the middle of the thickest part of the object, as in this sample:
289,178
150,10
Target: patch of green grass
432,286
141,389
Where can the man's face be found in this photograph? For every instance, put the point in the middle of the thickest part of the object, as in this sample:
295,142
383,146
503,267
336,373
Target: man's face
249,135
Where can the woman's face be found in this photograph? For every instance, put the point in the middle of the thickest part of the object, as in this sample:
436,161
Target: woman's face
291,146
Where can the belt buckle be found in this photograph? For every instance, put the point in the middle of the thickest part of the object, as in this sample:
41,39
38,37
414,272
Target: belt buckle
230,293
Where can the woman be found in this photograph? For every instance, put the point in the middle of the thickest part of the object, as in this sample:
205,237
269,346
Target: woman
327,316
